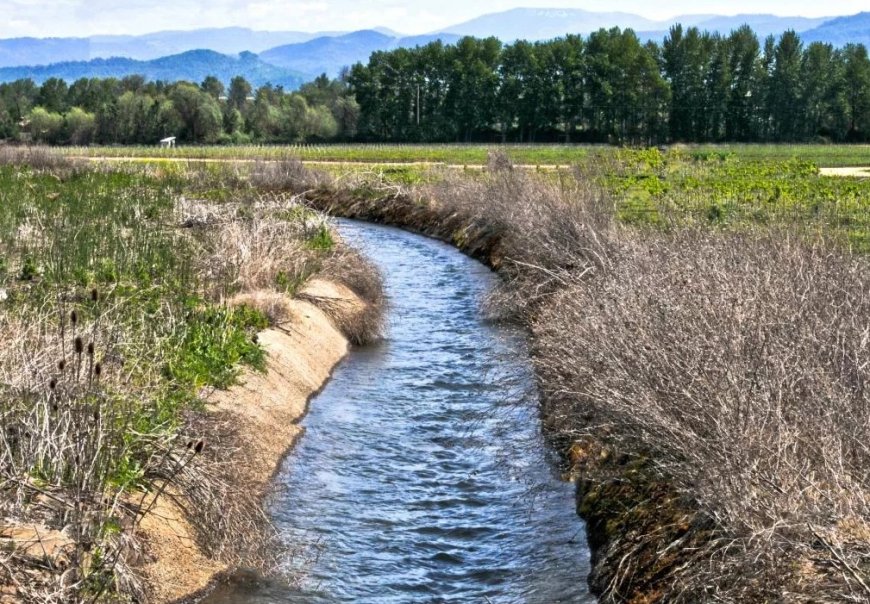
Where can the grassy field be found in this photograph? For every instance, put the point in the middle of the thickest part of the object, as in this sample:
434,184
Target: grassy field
543,155
712,185
727,190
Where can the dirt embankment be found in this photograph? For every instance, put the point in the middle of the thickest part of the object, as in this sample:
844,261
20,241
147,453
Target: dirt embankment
265,408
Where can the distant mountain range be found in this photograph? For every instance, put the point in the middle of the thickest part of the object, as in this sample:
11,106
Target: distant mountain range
290,57
193,66
546,23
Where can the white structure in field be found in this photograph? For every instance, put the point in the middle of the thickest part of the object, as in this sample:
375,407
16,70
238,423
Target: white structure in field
167,142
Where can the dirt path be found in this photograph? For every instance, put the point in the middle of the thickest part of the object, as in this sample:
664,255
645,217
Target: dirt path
314,162
844,172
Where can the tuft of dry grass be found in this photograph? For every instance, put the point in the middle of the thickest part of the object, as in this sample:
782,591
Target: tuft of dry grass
352,269
37,157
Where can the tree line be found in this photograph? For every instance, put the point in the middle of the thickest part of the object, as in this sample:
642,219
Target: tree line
610,87
606,87
134,111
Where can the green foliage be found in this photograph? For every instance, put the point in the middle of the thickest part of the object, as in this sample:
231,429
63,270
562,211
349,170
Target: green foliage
725,190
321,240
215,340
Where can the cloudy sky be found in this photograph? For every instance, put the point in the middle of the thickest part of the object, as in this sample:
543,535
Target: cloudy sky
45,18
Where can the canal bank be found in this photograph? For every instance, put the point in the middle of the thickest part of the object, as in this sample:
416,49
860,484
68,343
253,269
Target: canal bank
264,411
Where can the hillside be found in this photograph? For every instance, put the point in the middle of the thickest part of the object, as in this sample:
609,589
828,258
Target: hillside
193,66
842,31
16,52
329,54
290,57
42,51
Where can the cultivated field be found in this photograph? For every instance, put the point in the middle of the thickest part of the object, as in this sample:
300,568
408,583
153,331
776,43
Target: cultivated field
824,156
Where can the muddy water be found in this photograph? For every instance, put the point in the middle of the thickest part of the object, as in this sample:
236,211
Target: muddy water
422,476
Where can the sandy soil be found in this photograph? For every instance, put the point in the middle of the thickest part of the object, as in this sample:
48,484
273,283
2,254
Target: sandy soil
841,172
302,352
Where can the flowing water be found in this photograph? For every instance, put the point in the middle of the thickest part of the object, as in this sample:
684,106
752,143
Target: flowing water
422,475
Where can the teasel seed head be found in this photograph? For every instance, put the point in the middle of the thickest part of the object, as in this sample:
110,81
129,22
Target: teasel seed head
98,369
52,384
79,345
73,317
199,447
95,295
90,349
61,364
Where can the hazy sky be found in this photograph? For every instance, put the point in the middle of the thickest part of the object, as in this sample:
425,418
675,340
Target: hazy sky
45,18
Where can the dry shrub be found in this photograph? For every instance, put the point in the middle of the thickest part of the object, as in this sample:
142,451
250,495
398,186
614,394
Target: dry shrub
544,228
37,157
252,246
257,251
250,254
352,269
739,364
284,175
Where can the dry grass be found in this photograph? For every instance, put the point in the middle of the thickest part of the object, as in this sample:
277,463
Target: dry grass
738,364
67,409
350,268
37,157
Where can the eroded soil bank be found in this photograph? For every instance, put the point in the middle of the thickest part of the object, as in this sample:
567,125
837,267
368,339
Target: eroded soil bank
265,409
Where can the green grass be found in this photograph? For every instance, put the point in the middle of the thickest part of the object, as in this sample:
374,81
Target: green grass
823,156
726,190
358,153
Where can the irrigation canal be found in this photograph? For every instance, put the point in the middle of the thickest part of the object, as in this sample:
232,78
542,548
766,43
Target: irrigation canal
422,475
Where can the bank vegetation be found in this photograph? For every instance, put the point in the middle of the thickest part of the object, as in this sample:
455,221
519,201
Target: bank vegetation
127,297
704,381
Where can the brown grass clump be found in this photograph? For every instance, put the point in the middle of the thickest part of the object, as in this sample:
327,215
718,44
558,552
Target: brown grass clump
261,249
37,157
285,175
351,269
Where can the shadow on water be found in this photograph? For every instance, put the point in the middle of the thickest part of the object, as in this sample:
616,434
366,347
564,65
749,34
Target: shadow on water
422,475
